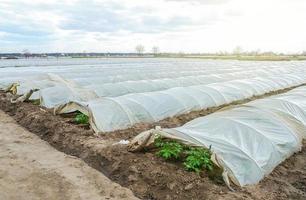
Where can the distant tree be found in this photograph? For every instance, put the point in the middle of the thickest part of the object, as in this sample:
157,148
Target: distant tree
140,49
155,50
181,54
26,53
304,53
222,53
238,51
254,52
269,53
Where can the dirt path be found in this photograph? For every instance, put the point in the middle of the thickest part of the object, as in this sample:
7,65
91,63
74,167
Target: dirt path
31,169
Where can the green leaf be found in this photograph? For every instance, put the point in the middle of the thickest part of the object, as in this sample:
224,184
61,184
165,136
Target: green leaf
168,150
197,159
81,119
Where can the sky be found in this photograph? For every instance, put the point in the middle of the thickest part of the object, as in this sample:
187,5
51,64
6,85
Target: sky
189,26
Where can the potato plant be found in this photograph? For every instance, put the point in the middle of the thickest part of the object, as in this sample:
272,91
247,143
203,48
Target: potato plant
194,158
81,118
168,149
197,159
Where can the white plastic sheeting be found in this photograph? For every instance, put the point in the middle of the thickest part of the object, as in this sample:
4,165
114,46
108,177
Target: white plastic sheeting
61,84
109,114
248,141
71,91
152,89
93,75
140,86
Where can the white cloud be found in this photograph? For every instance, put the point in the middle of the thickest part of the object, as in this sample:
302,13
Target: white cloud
174,25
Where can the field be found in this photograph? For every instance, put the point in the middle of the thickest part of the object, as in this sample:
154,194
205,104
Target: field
254,58
249,115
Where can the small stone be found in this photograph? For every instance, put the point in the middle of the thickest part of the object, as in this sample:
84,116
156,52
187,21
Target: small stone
132,178
189,186
134,169
171,185
116,166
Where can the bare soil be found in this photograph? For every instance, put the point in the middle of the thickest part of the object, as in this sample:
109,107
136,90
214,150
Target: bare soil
31,169
146,175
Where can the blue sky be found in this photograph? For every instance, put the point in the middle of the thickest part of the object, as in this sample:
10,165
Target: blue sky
172,25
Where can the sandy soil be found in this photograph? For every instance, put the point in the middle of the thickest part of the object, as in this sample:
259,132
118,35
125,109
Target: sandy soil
31,169
146,175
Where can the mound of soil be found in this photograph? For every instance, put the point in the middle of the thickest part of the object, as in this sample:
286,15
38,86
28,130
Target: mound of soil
146,175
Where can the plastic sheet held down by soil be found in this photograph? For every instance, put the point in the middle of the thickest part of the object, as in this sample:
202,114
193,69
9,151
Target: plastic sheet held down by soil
248,141
109,114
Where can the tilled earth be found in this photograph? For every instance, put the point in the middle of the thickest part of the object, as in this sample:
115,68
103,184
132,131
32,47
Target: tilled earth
146,175
31,169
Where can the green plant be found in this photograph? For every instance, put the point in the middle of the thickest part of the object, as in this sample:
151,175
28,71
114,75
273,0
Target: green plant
81,118
168,149
197,159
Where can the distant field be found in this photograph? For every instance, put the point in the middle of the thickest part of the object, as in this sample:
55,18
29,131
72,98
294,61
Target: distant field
252,58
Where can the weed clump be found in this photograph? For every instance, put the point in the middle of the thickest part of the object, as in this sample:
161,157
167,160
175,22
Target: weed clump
194,158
